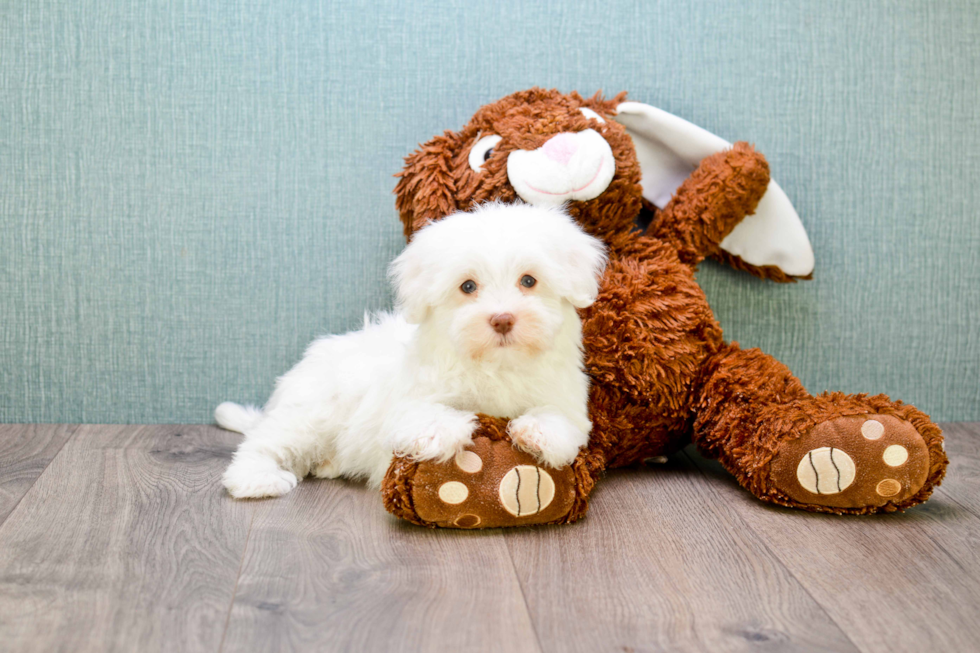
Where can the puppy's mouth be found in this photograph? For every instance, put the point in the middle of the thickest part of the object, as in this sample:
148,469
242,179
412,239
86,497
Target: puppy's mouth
525,346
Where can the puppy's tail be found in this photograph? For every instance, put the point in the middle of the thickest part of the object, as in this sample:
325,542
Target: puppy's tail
236,417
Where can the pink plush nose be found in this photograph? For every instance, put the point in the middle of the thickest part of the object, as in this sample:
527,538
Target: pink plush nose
560,148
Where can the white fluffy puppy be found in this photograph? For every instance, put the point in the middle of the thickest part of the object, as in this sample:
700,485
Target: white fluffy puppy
487,323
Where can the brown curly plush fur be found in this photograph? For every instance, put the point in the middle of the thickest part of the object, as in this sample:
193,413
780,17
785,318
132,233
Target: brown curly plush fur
662,374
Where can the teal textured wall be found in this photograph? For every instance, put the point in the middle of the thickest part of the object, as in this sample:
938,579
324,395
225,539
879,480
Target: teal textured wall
191,191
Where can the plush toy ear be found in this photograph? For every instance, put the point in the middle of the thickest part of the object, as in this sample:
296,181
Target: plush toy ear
426,187
669,149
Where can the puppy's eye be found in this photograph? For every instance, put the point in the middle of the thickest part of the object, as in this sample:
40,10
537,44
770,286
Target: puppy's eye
482,151
589,113
468,287
528,281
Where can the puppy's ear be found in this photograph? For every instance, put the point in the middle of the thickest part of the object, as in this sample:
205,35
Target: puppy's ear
411,274
426,189
581,261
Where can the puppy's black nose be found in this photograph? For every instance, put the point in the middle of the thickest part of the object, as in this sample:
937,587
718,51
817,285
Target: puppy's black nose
502,323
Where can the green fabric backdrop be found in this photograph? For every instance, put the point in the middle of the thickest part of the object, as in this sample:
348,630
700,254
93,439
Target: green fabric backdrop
191,191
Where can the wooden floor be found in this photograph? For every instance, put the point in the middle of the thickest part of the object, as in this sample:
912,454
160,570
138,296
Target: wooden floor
120,538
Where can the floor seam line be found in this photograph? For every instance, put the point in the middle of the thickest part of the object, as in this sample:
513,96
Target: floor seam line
946,494
75,429
520,586
238,577
765,545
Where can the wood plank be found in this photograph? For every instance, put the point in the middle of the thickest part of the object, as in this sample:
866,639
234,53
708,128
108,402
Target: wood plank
327,569
899,582
25,450
127,542
962,482
662,563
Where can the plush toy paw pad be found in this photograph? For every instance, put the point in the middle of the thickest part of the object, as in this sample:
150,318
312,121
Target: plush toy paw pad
889,487
469,462
825,470
453,492
853,462
491,484
467,521
526,490
895,455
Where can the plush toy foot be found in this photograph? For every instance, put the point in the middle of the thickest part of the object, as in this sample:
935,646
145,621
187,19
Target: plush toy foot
490,484
834,452
857,463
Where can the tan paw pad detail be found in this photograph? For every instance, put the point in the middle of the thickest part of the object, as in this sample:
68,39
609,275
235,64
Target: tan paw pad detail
469,462
888,487
453,492
826,471
526,490
895,455
467,521
873,429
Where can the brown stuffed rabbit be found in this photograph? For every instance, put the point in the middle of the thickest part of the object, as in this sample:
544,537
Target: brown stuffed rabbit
662,375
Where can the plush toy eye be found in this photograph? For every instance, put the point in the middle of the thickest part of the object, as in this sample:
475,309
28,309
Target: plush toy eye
589,113
528,281
482,151
468,287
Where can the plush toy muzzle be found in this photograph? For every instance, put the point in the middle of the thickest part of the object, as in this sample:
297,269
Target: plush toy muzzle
569,166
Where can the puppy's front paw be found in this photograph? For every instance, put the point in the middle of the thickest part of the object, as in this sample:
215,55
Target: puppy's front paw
441,439
550,438
252,479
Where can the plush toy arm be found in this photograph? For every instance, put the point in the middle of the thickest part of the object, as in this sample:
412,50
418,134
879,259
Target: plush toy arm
708,205
771,243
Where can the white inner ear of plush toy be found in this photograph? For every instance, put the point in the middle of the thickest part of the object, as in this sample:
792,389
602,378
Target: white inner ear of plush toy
669,149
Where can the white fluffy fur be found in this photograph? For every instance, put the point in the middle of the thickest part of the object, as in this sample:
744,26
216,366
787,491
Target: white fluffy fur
412,382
